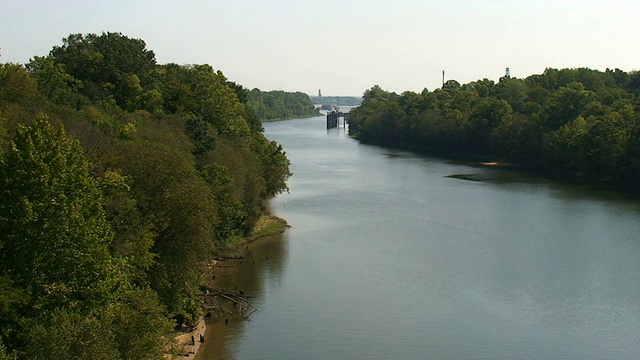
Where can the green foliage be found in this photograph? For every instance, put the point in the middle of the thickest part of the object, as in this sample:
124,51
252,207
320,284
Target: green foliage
4,353
275,163
575,122
53,81
201,91
108,218
109,66
133,328
566,104
15,84
68,335
202,135
51,214
279,105
247,186
180,207
139,326
133,235
451,85
230,214
12,299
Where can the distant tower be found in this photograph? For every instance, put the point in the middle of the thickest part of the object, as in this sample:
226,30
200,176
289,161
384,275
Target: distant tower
442,78
320,93
507,74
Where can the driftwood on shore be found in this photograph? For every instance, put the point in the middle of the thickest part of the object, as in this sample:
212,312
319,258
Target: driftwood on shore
239,301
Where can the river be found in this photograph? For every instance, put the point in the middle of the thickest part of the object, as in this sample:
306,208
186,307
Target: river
389,257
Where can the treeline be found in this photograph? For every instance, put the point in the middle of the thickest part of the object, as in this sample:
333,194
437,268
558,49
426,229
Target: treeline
119,180
578,123
337,100
280,105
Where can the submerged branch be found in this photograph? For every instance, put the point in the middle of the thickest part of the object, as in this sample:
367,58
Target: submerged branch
239,300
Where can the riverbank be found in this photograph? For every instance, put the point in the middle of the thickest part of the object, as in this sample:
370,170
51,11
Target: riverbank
293,117
268,225
189,343
229,305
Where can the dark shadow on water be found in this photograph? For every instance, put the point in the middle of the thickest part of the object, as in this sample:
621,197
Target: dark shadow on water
564,189
398,155
468,177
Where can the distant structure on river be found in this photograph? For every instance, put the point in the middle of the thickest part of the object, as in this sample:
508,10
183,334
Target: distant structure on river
333,119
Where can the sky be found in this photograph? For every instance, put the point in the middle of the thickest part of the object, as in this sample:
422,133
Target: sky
344,47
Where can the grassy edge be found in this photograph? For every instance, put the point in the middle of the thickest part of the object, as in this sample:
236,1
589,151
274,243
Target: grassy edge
267,226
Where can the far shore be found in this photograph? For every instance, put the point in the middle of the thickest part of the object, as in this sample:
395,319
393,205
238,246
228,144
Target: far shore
293,117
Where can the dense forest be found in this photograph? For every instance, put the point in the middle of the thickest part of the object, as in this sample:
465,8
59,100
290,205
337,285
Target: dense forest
119,179
576,123
280,105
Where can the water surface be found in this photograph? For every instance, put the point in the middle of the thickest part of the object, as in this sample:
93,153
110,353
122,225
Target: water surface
389,257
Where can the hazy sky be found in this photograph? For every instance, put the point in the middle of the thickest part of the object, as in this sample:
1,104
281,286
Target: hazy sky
344,46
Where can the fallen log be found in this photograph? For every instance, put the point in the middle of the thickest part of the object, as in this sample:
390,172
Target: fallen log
238,300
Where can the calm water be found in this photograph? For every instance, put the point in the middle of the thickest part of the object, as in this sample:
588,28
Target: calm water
389,258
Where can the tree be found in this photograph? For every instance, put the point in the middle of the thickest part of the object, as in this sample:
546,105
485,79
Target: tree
11,300
109,65
565,147
201,134
15,84
277,105
203,92
133,236
55,239
173,197
487,114
4,354
68,335
140,326
566,104
451,85
53,81
607,142
275,163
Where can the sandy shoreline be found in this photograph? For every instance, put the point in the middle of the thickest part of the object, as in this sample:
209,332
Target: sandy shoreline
189,343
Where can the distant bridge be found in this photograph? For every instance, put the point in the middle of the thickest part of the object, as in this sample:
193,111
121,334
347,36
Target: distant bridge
333,119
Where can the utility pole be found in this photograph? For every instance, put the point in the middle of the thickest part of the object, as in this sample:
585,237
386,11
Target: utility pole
443,78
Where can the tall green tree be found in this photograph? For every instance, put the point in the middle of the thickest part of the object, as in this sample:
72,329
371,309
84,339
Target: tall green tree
54,236
109,66
15,84
54,82
71,336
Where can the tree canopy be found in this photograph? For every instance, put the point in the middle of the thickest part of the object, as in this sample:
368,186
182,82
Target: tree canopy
280,105
579,123
119,179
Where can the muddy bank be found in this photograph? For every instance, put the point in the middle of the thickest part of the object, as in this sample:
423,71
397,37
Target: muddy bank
189,343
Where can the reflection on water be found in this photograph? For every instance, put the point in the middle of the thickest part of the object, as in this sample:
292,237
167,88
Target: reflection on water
261,268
